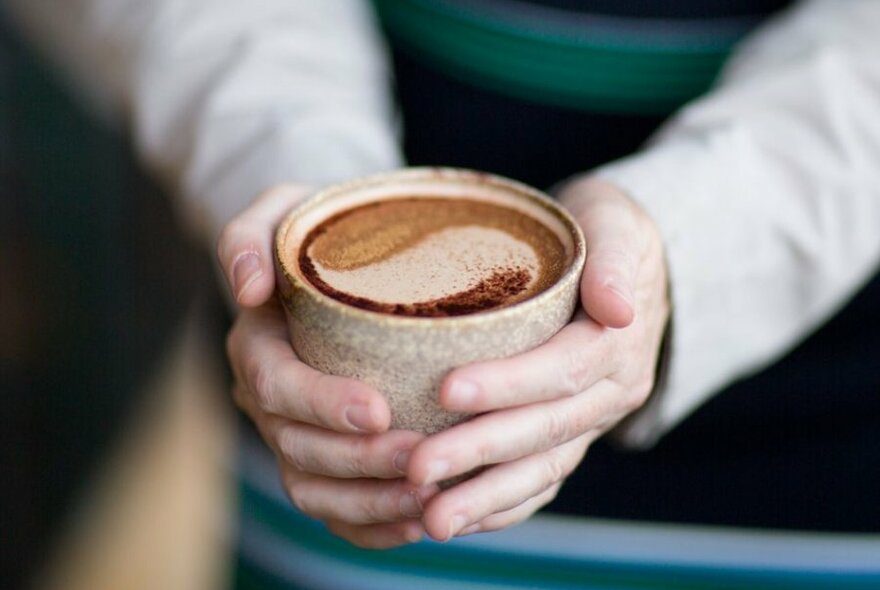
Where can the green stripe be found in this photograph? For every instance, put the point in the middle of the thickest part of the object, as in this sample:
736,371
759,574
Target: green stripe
518,570
582,72
630,33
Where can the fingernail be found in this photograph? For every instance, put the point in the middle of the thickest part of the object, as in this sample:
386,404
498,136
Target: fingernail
401,460
456,524
359,417
437,470
414,533
245,271
462,393
410,505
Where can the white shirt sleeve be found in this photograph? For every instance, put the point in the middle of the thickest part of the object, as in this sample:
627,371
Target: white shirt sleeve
226,98
767,194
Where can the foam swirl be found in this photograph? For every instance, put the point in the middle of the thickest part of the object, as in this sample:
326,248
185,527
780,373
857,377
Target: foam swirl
431,256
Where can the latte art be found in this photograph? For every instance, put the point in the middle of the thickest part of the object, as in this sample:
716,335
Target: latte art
431,257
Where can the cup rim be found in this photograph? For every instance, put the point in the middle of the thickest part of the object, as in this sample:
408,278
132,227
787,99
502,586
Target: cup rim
439,173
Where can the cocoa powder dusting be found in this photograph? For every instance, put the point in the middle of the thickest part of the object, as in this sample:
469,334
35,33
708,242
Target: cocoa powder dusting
373,232
494,291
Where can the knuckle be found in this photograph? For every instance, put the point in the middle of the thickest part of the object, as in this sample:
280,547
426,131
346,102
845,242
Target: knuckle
555,427
615,256
356,462
316,406
350,462
290,444
261,376
555,468
374,512
576,372
303,400
610,352
375,508
485,453
618,356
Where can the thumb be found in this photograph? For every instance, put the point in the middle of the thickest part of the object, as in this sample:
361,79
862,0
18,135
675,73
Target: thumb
246,244
611,230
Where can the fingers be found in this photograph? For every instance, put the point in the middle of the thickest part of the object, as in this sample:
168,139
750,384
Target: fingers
612,232
318,451
508,435
280,384
615,230
568,363
245,245
378,536
503,488
356,501
508,518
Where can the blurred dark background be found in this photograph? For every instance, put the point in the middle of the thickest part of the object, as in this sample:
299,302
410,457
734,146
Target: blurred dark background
96,275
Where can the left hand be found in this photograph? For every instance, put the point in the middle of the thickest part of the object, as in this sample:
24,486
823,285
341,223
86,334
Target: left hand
542,409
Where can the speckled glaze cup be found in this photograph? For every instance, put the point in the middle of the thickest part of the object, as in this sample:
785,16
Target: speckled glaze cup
406,358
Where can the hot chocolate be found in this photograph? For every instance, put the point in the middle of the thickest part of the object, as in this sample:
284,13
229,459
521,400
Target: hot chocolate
423,244
432,257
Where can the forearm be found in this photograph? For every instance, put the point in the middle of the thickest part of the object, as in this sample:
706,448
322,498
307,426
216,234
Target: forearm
225,98
767,193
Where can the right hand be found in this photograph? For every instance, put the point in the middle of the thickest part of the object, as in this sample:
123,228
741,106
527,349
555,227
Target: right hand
338,460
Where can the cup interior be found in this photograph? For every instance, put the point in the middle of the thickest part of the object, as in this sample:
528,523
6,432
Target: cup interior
422,183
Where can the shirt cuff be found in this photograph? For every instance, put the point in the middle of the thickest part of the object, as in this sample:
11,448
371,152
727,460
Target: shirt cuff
674,184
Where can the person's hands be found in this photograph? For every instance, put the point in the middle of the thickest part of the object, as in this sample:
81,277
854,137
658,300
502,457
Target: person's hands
542,409
338,461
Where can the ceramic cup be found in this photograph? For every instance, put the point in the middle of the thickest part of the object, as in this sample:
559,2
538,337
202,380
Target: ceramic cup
406,358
